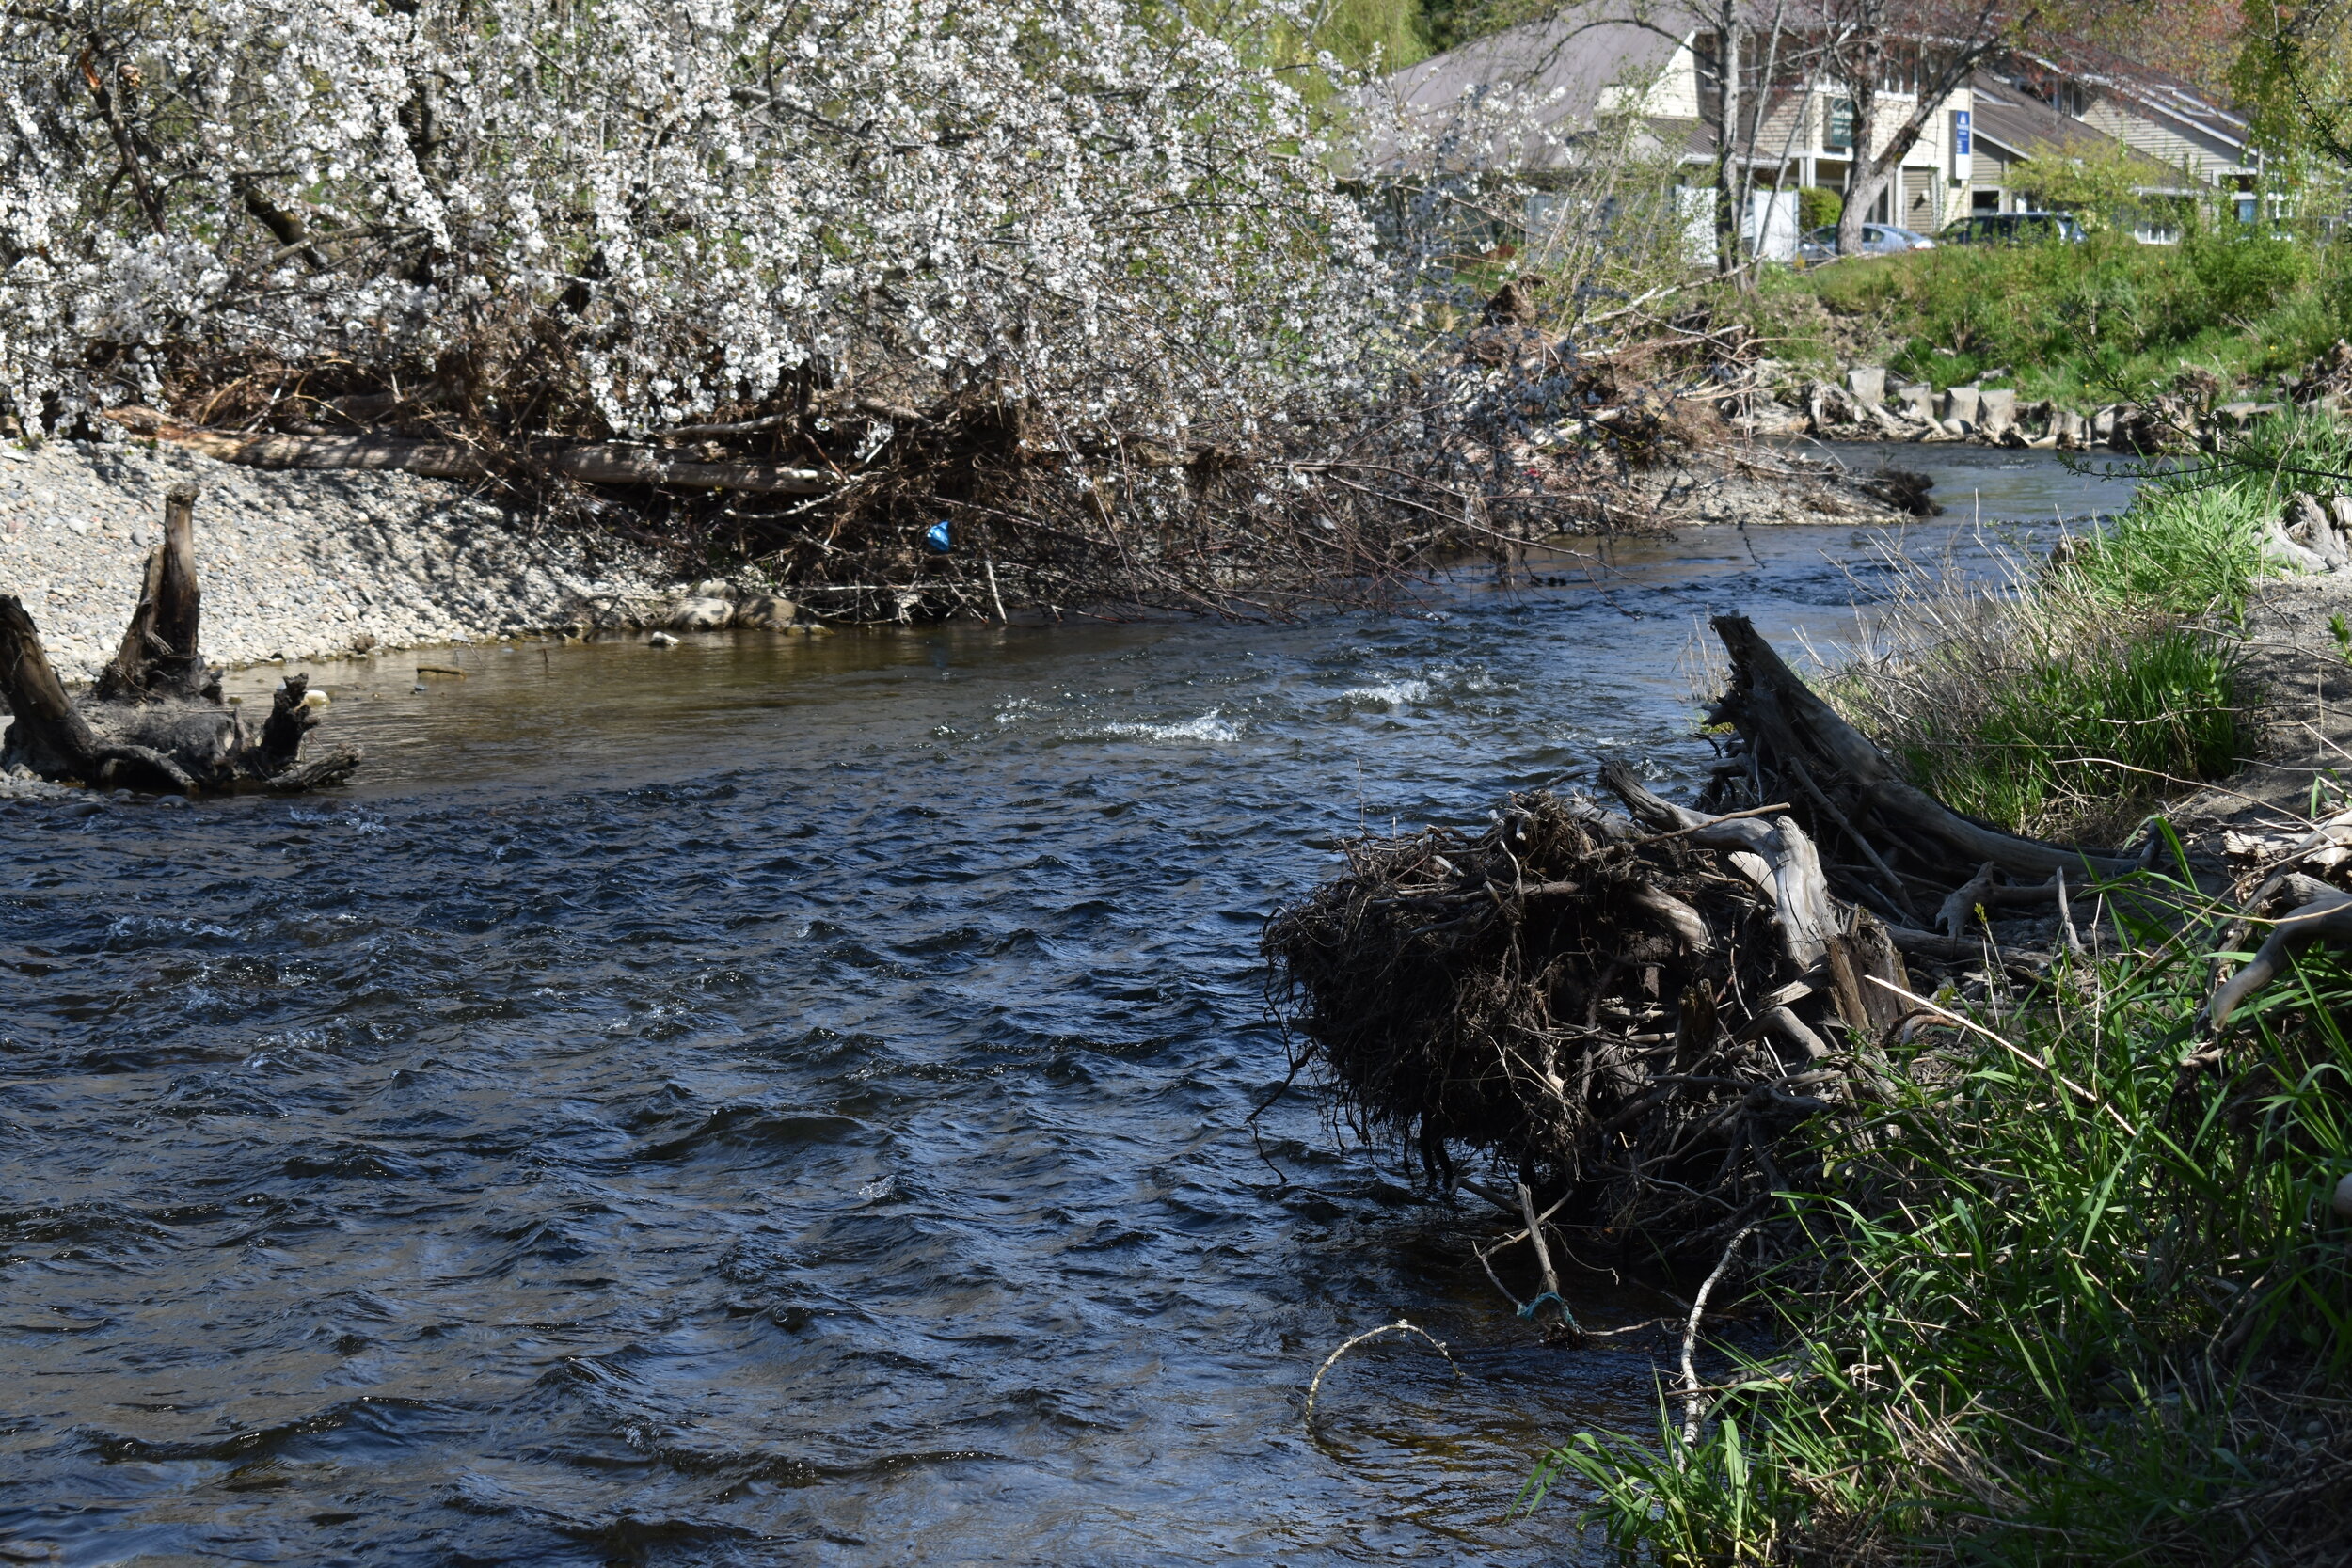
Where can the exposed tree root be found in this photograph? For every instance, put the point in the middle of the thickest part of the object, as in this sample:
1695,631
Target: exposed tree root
1637,1008
156,720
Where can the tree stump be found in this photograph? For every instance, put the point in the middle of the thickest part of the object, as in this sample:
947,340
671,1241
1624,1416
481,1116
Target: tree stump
155,719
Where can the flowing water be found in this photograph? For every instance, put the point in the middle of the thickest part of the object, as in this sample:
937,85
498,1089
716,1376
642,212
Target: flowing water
777,1100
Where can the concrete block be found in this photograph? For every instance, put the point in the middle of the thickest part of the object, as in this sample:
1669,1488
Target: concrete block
1867,384
1961,405
1996,412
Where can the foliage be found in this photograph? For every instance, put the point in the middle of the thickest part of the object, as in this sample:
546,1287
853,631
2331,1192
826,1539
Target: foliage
2183,549
2087,324
2099,189
2293,73
2077,1308
1818,207
632,215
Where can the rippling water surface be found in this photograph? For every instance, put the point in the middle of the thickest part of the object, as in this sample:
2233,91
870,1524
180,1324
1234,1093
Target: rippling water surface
773,1100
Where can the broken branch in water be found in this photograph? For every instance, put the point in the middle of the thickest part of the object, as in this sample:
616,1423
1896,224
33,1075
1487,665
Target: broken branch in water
1400,1326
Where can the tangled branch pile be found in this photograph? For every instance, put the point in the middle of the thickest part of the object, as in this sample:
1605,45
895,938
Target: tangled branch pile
1636,1010
789,282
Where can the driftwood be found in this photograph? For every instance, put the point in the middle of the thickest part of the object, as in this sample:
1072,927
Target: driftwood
591,463
1637,1009
1632,1009
1895,847
156,720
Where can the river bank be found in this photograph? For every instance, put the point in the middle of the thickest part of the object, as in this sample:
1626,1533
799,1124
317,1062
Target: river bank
2059,1282
295,565
309,565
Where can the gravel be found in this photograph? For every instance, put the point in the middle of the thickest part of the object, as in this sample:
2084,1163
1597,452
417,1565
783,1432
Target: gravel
293,564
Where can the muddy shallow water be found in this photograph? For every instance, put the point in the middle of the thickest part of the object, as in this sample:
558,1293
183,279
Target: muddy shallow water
783,1101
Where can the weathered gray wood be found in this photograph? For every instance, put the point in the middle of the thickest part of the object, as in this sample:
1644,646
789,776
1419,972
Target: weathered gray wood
161,655
156,720
1801,729
588,462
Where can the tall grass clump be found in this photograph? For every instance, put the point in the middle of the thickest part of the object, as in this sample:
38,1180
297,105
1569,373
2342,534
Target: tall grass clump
2075,696
2074,738
2068,1305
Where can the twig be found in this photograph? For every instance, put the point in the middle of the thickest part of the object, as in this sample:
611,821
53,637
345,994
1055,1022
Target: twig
1400,1326
1543,1258
1690,1336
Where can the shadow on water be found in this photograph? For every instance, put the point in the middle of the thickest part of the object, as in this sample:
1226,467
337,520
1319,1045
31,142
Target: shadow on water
779,1099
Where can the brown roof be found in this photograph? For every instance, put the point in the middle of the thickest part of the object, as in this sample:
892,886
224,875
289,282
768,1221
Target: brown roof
2023,126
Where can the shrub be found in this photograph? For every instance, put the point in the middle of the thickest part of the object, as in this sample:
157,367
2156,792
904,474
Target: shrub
2240,273
1818,207
613,218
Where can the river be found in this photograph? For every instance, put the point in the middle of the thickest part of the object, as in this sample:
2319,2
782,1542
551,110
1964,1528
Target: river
783,1100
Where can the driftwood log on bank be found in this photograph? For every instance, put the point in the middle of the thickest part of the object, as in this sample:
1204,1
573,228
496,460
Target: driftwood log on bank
156,720
590,462
1894,847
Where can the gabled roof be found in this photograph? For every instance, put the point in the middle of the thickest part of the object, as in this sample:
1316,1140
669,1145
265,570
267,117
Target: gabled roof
2148,91
1562,67
2022,126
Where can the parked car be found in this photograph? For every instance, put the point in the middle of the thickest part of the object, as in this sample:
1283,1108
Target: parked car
2014,229
1878,239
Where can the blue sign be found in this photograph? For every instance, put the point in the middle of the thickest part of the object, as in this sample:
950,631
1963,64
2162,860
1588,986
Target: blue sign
1959,133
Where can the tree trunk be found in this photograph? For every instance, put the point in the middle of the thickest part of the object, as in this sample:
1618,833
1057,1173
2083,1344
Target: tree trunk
156,720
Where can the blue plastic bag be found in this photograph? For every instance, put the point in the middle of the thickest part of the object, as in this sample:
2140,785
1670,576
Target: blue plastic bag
936,537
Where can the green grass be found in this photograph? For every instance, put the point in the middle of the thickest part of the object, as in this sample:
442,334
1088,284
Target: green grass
2106,680
2179,549
2084,324
2063,1303
2084,740
2076,1307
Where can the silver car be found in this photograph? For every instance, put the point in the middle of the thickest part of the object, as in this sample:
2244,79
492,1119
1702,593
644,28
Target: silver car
1878,239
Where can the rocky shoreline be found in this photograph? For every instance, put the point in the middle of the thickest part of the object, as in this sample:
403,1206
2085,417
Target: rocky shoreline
311,564
1864,404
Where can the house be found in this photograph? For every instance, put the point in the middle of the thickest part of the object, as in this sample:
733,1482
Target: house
2080,106
1572,71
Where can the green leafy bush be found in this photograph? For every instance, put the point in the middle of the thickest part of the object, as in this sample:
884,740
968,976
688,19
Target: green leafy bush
2085,324
2240,274
1818,207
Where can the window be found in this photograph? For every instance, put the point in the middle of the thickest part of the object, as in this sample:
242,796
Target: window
1838,125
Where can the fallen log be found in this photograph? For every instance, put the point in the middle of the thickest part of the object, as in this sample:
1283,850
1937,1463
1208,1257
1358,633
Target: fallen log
588,462
155,719
1791,745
